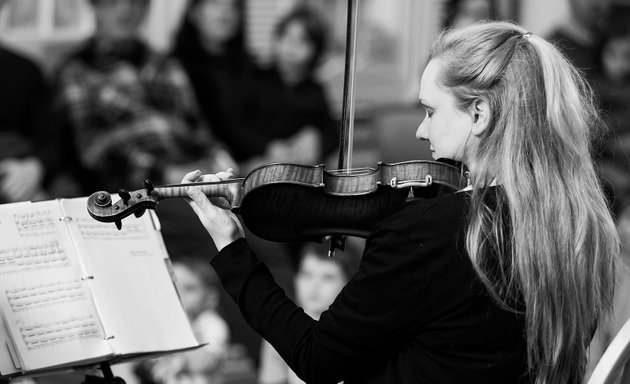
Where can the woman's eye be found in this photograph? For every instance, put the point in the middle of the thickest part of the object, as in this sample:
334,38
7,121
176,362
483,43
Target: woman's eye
428,114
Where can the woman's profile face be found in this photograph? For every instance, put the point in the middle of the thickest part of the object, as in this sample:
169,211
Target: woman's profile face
217,20
447,128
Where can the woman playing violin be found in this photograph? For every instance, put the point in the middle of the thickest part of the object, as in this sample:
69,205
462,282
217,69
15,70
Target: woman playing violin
502,282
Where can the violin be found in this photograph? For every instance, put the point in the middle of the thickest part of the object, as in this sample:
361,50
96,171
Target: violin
294,203
290,202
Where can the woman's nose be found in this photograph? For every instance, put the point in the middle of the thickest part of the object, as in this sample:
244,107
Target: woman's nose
422,132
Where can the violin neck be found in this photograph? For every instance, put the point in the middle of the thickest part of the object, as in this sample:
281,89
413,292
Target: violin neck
228,189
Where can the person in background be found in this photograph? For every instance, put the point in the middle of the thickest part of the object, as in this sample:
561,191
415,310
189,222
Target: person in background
199,290
292,121
612,86
211,46
502,282
28,147
289,117
261,116
577,36
318,281
132,111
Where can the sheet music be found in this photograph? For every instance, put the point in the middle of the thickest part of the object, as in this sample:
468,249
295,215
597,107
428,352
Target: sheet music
133,290
91,229
47,306
39,255
43,295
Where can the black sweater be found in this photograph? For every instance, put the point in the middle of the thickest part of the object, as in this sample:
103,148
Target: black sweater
415,312
25,101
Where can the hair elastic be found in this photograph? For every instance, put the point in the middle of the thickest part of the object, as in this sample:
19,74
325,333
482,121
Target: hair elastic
527,35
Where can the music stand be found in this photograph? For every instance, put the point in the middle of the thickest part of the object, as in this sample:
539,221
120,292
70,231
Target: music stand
108,376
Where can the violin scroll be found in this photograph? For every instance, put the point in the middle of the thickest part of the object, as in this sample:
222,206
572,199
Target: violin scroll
101,207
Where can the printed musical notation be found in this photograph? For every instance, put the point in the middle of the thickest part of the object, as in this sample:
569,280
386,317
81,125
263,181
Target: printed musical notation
38,296
45,334
37,223
61,291
94,230
49,254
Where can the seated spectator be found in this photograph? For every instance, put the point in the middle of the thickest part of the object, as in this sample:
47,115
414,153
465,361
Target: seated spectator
132,111
260,116
199,290
276,114
577,36
210,45
27,149
613,89
318,281
291,116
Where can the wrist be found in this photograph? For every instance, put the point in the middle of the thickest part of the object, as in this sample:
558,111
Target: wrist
222,242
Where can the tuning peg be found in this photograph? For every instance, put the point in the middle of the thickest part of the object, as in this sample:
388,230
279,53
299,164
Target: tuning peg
103,199
124,195
118,224
148,185
139,213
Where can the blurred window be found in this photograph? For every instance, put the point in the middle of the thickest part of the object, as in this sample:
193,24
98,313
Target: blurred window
67,14
23,14
45,20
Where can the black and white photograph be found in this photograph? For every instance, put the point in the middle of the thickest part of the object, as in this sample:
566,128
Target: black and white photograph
314,191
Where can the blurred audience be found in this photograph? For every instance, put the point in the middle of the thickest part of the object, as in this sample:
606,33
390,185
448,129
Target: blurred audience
276,114
28,155
263,115
291,118
318,281
210,44
132,111
578,34
613,88
199,290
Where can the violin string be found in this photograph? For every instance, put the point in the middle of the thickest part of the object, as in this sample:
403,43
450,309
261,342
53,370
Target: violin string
351,170
229,181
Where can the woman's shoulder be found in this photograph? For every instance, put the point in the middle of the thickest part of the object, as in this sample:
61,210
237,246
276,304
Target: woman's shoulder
443,205
440,213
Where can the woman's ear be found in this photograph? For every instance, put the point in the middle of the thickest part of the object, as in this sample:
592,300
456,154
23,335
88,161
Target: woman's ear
480,111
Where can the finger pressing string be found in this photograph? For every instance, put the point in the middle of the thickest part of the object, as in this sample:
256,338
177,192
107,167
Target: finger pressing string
198,197
192,176
195,194
225,175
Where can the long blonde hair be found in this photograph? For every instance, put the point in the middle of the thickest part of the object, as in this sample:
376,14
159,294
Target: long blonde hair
549,247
